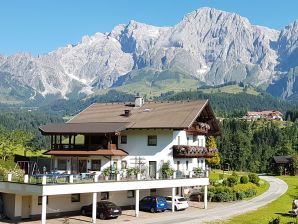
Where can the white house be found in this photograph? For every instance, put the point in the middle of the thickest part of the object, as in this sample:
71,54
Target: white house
117,139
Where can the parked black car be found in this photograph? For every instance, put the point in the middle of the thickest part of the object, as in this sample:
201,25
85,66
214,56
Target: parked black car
105,209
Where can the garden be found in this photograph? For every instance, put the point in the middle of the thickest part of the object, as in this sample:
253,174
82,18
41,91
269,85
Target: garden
234,186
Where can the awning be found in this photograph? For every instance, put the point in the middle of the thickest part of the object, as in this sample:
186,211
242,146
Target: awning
83,128
99,152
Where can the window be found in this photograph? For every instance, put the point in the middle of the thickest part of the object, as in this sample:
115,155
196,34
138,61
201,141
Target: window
96,165
75,198
123,139
152,140
186,164
39,200
153,190
130,194
123,164
104,196
62,163
187,140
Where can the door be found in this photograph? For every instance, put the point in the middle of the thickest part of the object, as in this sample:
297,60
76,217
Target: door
152,169
26,207
82,166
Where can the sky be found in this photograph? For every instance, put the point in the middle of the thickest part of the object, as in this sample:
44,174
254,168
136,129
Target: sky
41,26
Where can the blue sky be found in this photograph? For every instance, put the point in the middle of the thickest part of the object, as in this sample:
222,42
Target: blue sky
40,26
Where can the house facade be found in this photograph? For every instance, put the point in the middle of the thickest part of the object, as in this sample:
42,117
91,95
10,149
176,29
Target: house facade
122,148
268,115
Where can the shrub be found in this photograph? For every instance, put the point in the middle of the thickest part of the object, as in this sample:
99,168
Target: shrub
244,180
232,181
250,193
221,176
254,178
275,221
240,195
234,174
225,182
244,187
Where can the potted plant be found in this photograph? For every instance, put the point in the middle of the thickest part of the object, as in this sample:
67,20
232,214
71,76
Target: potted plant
106,173
166,170
198,171
132,172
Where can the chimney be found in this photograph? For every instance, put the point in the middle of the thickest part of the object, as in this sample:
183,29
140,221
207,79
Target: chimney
127,113
139,101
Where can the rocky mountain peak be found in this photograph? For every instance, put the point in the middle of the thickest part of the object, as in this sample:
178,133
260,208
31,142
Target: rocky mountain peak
211,45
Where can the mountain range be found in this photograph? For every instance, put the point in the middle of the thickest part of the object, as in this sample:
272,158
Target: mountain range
207,47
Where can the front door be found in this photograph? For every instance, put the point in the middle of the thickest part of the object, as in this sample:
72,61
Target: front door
82,166
26,207
152,169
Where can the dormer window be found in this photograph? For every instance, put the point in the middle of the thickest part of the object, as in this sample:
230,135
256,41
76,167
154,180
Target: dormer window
123,139
152,140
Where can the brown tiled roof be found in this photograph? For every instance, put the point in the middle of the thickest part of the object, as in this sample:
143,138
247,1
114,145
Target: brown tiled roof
150,115
99,152
110,118
83,128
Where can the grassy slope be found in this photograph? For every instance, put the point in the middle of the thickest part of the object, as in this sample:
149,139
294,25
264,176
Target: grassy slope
230,89
277,208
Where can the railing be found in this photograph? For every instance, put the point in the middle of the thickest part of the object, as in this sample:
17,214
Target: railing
56,178
185,151
82,146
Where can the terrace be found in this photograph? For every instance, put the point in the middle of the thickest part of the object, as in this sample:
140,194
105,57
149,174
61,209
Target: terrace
51,184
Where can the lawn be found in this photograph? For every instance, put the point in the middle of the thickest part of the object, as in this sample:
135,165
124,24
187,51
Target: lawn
277,208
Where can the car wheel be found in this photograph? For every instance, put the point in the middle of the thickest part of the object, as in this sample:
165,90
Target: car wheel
152,210
102,216
83,212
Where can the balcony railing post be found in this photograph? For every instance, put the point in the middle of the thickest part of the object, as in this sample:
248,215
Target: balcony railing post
190,174
44,180
118,177
174,175
96,177
26,178
70,178
9,177
157,176
138,176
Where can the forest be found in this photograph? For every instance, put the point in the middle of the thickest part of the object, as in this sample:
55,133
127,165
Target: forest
251,145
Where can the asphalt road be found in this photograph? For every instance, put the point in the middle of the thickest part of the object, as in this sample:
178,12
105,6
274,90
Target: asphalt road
276,189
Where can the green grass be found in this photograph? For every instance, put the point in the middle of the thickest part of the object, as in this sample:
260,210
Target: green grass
231,89
278,208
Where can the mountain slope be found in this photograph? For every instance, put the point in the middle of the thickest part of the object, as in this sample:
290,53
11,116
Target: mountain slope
210,46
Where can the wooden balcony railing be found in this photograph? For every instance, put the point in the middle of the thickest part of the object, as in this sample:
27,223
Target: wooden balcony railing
185,151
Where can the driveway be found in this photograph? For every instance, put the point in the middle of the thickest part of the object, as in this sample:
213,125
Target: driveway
195,213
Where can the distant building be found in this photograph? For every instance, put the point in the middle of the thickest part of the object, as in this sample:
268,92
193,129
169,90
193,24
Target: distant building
283,165
268,115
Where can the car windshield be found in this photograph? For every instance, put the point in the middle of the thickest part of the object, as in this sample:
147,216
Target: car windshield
161,199
109,204
181,199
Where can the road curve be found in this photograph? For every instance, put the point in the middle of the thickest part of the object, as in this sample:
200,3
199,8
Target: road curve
276,189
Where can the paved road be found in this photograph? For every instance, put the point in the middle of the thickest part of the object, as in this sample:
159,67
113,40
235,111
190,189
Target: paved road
276,189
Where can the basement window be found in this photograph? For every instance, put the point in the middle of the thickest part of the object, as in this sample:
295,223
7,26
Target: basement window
104,196
39,200
152,140
75,198
130,194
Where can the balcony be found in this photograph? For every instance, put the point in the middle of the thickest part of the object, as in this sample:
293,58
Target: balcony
185,151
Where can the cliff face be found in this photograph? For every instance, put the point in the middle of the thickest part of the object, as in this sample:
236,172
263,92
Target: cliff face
210,45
